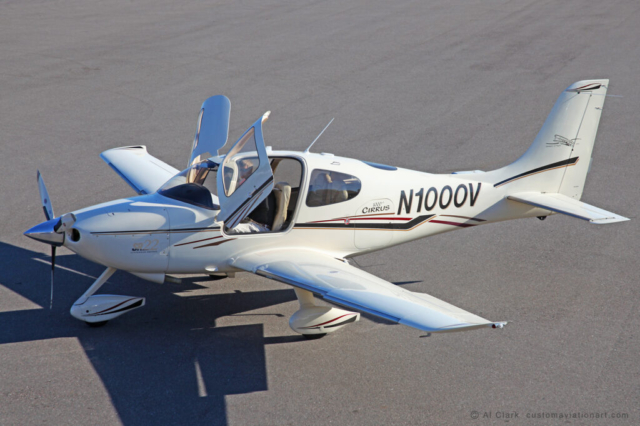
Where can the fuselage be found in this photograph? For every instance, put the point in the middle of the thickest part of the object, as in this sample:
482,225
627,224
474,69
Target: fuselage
154,234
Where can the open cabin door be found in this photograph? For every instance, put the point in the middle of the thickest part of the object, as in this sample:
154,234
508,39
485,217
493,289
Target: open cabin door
212,129
245,177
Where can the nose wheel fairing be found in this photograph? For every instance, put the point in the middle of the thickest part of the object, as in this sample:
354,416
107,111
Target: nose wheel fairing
104,307
98,309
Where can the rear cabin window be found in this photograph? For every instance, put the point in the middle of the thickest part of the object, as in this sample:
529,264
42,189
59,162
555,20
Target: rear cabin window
329,187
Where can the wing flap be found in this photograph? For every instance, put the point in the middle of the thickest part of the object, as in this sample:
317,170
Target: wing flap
571,207
141,171
341,283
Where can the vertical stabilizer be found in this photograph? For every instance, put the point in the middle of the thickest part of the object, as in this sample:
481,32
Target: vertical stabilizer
559,158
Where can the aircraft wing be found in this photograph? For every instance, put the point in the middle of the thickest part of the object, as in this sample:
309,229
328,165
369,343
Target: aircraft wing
340,283
143,172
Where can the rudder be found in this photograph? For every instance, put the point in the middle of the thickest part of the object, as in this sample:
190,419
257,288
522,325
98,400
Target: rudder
595,91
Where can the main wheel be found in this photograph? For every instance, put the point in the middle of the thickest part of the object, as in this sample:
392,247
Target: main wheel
314,336
96,324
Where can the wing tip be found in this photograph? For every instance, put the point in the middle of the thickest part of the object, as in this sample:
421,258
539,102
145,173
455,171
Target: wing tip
608,220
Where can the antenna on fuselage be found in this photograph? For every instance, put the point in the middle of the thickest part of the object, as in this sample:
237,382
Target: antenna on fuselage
318,137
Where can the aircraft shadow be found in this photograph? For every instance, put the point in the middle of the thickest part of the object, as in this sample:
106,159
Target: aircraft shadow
166,364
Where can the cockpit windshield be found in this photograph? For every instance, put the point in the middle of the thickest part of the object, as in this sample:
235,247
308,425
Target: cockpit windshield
195,185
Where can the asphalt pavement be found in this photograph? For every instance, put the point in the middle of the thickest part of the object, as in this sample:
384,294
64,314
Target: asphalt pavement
436,86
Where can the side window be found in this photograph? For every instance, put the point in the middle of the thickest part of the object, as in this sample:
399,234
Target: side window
329,187
240,163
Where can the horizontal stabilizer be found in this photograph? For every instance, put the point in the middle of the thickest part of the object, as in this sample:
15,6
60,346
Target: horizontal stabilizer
562,204
143,172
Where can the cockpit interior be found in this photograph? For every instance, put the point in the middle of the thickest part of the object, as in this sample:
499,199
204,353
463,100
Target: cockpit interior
197,185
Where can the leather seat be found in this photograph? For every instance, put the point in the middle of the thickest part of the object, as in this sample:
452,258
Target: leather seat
282,192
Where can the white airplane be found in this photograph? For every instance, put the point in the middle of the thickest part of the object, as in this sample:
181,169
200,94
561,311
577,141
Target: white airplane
298,217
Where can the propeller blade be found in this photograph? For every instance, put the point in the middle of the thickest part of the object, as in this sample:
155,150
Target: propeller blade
44,197
53,269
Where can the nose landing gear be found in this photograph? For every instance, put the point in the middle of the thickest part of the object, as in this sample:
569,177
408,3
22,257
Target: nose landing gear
97,310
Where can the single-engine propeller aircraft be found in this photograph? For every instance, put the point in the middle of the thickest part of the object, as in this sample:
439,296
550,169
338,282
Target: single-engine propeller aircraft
298,217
